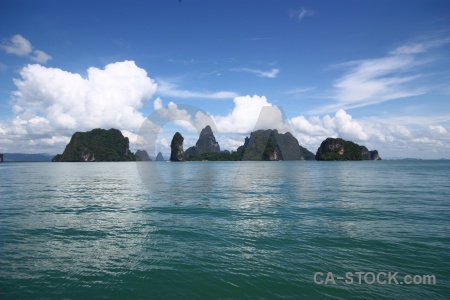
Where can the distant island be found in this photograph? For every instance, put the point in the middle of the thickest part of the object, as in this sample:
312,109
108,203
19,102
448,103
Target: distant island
24,157
142,155
100,145
339,149
97,145
159,157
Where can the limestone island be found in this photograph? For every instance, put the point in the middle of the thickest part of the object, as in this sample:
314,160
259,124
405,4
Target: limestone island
339,149
99,145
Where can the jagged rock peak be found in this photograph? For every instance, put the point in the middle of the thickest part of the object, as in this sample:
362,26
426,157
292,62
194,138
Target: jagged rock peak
142,155
206,131
176,148
271,145
206,143
159,157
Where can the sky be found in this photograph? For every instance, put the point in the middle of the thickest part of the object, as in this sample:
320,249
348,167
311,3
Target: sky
373,72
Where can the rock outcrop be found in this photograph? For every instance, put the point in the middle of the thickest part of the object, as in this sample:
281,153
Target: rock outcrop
159,157
339,149
142,155
97,145
271,145
176,148
206,143
369,155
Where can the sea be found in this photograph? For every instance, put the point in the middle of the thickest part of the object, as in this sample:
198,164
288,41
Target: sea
225,230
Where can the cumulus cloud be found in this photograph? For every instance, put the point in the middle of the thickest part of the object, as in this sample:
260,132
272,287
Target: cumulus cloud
50,101
341,125
265,74
245,114
106,98
20,46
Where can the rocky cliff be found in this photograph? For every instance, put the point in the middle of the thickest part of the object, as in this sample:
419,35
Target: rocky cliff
206,143
97,145
159,157
369,155
176,148
142,155
271,145
339,149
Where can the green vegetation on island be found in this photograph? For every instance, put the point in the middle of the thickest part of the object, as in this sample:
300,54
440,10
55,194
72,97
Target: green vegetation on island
96,145
339,149
272,145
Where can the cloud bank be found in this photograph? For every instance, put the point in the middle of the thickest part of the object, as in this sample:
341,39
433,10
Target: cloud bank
50,104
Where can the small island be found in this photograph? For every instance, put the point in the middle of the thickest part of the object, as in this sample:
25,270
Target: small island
339,149
97,145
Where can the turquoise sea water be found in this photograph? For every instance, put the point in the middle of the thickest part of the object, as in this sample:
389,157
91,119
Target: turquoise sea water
223,230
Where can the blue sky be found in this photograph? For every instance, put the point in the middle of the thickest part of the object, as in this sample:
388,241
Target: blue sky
375,72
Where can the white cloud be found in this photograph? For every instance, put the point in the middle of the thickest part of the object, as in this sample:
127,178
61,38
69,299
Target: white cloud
391,139
265,74
50,101
300,90
40,56
437,130
17,45
372,81
377,80
341,125
408,49
244,116
20,46
300,14
169,89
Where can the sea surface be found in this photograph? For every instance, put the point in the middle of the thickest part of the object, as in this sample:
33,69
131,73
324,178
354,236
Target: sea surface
224,230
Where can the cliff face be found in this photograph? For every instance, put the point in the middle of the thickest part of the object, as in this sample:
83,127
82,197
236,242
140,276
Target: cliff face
271,145
176,148
97,145
369,155
142,155
206,143
339,149
159,157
